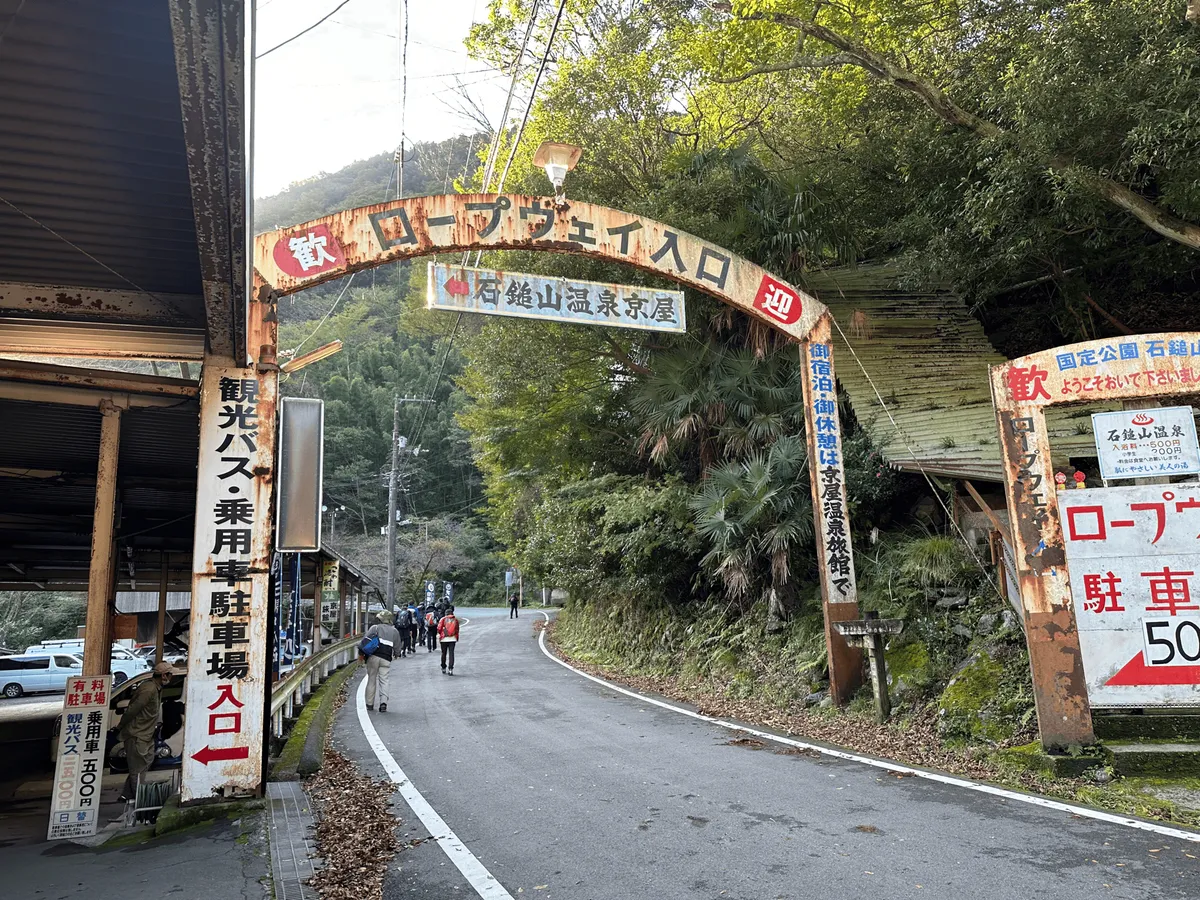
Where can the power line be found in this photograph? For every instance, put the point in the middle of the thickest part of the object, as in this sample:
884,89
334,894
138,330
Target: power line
324,18
533,93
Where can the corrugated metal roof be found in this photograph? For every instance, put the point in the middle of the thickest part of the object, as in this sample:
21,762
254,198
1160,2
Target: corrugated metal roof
92,146
147,601
928,357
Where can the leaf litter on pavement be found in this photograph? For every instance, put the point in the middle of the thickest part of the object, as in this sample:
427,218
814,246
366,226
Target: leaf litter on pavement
356,829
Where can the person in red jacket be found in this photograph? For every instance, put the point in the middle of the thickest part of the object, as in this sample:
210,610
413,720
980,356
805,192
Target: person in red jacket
448,631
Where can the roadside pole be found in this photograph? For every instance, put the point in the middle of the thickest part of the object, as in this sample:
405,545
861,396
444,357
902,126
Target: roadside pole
391,527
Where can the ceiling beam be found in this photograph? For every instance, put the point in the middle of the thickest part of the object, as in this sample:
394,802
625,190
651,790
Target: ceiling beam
59,301
95,340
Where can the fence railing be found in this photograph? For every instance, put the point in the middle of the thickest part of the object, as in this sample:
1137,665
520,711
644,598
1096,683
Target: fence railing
290,691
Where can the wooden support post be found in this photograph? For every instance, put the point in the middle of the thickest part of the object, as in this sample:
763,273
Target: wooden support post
827,477
162,611
1059,687
97,636
879,681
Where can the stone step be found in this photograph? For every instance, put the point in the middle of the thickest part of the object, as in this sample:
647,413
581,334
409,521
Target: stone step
1147,726
1161,758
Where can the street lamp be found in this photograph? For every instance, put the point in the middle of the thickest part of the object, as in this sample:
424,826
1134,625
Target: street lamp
557,159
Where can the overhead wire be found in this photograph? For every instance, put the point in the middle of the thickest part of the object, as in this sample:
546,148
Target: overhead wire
299,34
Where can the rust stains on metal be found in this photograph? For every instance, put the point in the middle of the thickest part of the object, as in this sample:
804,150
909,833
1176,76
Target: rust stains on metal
1060,690
292,259
98,304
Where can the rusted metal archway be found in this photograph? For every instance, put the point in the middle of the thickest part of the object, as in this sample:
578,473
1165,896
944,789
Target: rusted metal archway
291,259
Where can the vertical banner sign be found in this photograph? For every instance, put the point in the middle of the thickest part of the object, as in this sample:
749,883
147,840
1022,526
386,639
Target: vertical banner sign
1134,567
430,589
227,664
449,592
75,801
827,479
277,601
295,626
330,570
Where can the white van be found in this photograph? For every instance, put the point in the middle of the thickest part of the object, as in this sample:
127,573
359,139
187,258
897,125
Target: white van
125,663
37,674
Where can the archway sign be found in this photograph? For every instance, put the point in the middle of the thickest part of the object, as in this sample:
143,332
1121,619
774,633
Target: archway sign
291,259
1135,547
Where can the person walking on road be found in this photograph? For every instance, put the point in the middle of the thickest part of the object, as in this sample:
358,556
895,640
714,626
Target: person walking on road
414,619
431,624
513,602
138,724
448,631
379,663
402,624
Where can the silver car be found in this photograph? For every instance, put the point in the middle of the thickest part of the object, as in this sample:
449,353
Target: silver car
37,674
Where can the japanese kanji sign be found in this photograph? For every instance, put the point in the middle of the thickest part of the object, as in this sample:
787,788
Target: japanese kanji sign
294,258
1134,556
227,662
557,299
1141,365
75,799
330,571
1142,443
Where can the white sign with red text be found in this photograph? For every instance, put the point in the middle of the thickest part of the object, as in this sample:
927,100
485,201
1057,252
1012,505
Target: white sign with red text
75,800
1134,558
1145,443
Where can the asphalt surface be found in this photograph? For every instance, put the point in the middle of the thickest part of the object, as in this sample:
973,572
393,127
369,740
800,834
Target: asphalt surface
563,789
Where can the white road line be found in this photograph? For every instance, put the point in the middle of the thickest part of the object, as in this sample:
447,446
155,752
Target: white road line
484,883
1032,799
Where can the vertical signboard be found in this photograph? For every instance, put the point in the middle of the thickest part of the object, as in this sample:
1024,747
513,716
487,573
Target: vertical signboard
227,662
1133,558
430,589
75,800
827,479
301,463
330,570
448,589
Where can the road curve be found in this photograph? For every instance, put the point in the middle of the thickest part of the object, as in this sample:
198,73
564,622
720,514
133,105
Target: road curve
564,789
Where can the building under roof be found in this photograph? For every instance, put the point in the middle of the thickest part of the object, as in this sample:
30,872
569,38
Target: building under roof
123,209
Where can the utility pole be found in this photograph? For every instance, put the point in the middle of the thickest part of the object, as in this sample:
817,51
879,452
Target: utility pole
391,528
399,444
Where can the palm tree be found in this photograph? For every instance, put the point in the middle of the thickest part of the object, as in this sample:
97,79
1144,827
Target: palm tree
756,515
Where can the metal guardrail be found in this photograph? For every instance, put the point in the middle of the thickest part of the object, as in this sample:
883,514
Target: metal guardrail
290,691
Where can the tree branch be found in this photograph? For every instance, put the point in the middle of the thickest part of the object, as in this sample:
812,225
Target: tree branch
885,69
624,358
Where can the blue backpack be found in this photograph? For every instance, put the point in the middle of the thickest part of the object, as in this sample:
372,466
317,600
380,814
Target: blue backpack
369,645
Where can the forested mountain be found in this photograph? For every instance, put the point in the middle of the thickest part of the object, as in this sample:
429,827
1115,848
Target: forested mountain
390,350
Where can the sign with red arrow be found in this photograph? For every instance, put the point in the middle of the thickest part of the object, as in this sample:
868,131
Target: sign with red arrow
1134,556
220,754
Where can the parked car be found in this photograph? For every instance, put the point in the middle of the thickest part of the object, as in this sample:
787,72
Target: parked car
37,673
75,646
123,667
168,737
177,658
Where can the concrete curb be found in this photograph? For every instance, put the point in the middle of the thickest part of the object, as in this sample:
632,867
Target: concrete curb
305,748
174,817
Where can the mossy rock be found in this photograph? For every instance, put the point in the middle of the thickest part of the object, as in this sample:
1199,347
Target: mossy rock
968,704
908,669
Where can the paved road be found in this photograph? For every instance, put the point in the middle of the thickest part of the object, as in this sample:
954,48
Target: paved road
32,707
566,790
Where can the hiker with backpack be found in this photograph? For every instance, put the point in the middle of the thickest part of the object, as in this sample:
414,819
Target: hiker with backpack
513,603
403,620
431,626
379,647
414,620
448,631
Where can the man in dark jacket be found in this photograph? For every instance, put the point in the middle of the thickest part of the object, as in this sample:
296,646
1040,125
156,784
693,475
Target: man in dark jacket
138,724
